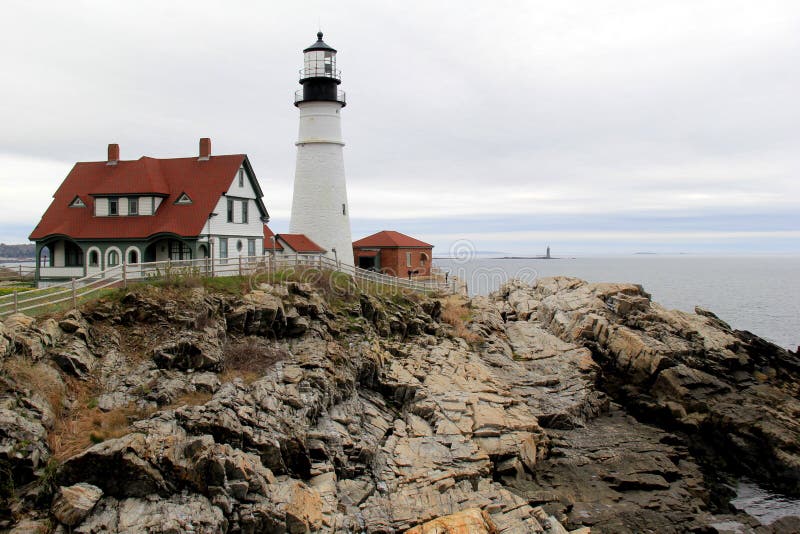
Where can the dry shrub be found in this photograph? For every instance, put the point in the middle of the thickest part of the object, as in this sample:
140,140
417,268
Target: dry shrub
250,358
83,427
456,313
192,398
38,377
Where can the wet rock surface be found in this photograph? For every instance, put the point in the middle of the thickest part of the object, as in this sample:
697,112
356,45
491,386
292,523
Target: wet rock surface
292,409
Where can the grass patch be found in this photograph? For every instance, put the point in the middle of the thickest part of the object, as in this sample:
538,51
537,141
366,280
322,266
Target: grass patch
250,358
232,285
38,377
456,313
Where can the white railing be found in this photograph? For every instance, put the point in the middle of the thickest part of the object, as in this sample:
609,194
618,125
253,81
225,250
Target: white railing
120,276
17,272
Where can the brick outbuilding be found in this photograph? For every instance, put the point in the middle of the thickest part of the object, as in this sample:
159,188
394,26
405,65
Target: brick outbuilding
394,253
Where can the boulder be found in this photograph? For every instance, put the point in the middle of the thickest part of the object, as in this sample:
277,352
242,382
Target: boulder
73,503
195,351
469,521
75,358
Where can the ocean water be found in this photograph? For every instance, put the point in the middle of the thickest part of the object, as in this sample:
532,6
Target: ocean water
756,293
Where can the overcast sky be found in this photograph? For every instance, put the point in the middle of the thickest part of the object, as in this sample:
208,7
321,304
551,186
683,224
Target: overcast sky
593,126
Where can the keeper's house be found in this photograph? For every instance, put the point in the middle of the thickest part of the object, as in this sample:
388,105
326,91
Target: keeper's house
109,212
394,253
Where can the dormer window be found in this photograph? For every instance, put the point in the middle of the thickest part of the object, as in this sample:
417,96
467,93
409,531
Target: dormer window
183,198
77,203
113,206
133,206
241,177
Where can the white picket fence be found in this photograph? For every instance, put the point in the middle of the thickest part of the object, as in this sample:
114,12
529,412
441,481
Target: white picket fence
120,276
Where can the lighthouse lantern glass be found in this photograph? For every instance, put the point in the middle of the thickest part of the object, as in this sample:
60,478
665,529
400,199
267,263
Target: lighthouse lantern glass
319,63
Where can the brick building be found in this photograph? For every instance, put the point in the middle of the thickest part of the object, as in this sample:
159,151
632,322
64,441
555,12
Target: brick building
393,253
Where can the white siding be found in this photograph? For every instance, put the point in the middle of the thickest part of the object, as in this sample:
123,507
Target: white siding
246,191
145,205
59,257
320,191
123,206
101,207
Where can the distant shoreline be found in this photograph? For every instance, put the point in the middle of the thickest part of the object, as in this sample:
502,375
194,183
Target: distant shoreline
501,258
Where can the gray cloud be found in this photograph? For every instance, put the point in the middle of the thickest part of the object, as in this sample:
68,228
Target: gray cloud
477,108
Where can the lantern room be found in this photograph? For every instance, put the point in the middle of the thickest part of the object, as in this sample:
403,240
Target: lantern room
319,75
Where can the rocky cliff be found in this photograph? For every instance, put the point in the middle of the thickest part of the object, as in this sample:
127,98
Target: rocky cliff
300,408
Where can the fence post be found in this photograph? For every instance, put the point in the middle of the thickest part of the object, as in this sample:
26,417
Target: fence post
16,302
20,271
74,296
124,275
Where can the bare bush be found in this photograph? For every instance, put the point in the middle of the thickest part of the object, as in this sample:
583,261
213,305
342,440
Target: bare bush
250,358
456,313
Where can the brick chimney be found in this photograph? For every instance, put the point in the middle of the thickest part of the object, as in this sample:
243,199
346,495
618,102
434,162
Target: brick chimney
205,149
113,154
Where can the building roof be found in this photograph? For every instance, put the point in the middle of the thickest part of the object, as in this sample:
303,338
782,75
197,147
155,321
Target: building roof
390,239
204,182
300,243
268,234
320,45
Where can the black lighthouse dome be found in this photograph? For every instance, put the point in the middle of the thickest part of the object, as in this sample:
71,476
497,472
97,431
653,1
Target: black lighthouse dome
319,76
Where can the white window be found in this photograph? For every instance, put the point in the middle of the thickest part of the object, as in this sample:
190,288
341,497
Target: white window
133,206
113,206
241,177
223,247
408,259
244,211
230,210
251,247
113,258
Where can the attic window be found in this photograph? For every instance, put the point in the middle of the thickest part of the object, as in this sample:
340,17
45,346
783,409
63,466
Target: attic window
77,203
183,198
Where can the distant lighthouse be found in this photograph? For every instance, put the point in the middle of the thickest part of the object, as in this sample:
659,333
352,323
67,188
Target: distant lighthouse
319,204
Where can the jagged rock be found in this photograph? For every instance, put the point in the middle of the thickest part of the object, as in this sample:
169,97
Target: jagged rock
23,443
353,429
201,351
688,370
206,382
471,520
172,515
73,503
30,338
75,358
303,507
260,313
31,526
6,346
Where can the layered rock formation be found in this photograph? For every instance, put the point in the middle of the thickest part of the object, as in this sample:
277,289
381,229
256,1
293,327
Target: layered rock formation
302,409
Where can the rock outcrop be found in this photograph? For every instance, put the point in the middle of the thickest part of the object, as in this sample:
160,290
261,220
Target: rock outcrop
300,409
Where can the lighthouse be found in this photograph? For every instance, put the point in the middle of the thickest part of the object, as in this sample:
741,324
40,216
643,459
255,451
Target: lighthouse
319,203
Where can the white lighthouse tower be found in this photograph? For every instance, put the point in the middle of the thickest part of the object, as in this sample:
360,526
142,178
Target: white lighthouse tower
319,204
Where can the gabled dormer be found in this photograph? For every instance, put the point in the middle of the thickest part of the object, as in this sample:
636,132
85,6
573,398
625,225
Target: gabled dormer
77,203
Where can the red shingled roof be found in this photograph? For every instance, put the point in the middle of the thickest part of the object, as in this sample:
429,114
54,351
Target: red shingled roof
268,242
390,239
203,181
300,243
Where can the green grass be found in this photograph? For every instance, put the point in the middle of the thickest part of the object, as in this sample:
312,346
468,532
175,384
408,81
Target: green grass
8,290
